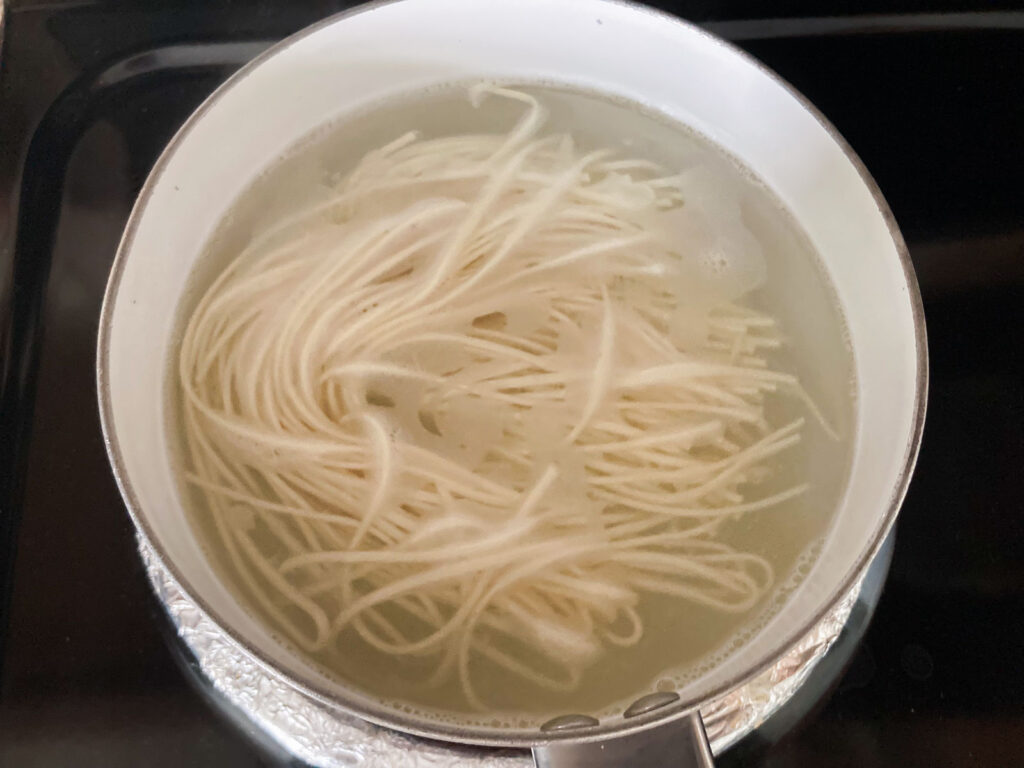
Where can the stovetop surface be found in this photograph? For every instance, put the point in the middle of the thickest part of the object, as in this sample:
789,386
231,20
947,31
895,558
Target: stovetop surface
932,100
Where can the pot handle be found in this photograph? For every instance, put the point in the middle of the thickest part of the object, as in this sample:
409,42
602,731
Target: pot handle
678,744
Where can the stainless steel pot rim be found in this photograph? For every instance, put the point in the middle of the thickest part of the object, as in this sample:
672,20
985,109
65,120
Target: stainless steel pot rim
492,736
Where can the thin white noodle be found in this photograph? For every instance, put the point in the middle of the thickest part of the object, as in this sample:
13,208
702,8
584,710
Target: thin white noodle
444,410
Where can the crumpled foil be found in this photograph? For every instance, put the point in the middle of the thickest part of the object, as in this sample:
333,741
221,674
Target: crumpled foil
328,738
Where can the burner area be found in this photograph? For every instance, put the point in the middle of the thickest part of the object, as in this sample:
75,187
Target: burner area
738,725
90,92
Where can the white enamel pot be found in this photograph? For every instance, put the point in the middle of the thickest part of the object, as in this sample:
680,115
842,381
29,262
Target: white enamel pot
362,57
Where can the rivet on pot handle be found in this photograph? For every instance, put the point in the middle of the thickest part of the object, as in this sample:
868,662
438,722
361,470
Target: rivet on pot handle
677,744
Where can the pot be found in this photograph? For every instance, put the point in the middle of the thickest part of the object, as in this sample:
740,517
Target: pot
350,62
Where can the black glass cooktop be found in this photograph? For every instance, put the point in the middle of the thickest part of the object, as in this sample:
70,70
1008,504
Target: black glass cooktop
931,98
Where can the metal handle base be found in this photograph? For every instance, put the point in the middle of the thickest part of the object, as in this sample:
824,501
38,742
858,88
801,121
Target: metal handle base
679,744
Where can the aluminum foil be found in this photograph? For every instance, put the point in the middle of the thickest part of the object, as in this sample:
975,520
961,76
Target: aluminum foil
328,738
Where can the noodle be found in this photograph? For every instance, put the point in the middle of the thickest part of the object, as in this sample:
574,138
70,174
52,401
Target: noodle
469,410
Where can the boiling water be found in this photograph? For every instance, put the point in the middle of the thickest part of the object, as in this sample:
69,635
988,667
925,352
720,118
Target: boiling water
680,639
